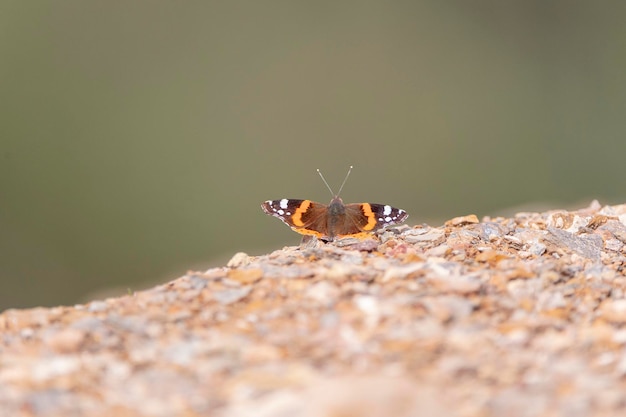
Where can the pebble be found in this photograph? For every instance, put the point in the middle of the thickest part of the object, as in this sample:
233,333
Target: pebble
323,292
245,276
421,235
588,246
613,311
462,221
231,295
67,340
238,260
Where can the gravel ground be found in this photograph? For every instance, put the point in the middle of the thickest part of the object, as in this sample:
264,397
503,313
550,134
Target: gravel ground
521,316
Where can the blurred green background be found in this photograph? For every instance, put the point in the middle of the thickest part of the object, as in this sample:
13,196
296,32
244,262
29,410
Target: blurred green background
139,138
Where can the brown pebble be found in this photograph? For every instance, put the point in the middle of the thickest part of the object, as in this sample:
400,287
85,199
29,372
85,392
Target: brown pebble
245,276
67,340
462,221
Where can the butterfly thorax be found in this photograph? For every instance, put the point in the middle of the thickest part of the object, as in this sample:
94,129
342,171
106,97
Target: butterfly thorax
336,207
336,216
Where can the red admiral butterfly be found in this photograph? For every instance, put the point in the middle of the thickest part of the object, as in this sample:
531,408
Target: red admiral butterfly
336,219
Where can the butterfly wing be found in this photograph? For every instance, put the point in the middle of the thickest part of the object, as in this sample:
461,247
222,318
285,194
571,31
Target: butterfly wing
368,217
303,216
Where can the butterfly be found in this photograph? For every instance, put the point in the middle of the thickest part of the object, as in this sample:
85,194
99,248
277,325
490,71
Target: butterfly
327,222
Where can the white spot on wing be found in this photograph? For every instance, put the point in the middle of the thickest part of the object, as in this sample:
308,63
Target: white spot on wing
387,210
283,203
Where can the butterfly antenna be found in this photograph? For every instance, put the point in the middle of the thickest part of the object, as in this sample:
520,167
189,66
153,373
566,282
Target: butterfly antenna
344,180
324,179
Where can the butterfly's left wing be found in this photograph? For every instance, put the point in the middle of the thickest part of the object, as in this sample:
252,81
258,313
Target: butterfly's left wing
303,216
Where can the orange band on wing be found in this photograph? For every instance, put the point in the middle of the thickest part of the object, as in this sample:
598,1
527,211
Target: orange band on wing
371,217
297,216
308,232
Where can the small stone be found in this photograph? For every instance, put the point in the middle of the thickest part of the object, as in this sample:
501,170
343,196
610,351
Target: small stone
67,340
491,231
514,241
490,256
238,260
537,248
367,304
460,284
55,367
365,243
613,311
323,292
597,221
97,306
462,221
196,282
448,308
261,353
231,295
15,319
213,274
433,235
588,246
617,229
402,272
438,251
560,220
245,276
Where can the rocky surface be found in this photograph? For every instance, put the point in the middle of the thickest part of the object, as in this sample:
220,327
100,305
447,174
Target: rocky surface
521,316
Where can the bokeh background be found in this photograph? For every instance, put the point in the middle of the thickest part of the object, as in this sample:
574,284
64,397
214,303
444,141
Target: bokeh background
137,139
